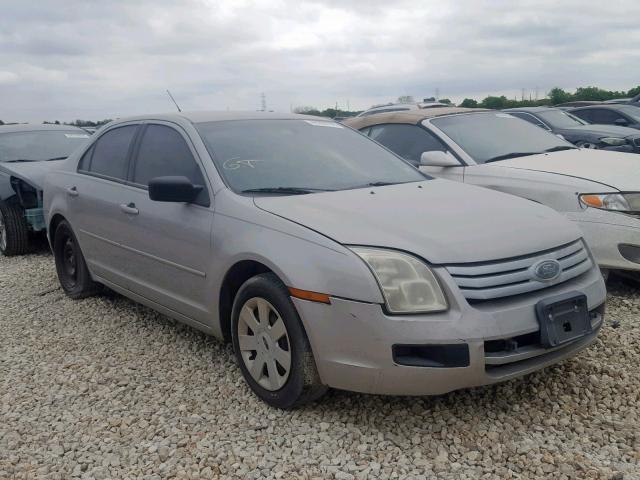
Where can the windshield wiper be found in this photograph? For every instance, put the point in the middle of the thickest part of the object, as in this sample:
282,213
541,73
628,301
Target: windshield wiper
56,158
285,190
20,160
559,148
507,156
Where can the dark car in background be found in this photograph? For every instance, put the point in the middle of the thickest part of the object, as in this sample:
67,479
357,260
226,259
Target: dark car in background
624,115
578,132
27,153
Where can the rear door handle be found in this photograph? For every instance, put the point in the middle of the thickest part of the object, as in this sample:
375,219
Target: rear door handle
129,208
72,191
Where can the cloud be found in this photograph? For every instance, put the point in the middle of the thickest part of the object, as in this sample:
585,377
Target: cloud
90,59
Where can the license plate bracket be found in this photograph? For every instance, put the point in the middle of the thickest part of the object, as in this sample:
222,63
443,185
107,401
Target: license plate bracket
563,319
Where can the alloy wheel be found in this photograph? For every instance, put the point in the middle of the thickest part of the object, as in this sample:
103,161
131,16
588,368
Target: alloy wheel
264,343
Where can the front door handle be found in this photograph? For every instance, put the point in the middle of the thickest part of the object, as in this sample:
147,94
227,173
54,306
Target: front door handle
72,191
129,208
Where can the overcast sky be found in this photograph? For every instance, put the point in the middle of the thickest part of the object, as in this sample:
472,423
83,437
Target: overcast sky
68,59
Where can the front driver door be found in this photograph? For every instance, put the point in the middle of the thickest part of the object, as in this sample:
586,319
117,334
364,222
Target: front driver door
169,244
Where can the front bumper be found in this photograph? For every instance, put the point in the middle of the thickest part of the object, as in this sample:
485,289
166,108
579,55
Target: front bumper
353,342
612,237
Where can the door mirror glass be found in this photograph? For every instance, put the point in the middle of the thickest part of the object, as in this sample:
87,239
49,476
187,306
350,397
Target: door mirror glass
173,189
438,158
621,121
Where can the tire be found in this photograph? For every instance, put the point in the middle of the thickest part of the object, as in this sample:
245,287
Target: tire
276,335
71,267
586,144
14,232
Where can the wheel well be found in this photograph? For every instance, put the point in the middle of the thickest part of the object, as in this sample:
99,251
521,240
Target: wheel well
55,221
233,280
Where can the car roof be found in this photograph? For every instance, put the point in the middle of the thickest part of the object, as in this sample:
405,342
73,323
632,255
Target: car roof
219,116
530,109
408,116
34,127
606,106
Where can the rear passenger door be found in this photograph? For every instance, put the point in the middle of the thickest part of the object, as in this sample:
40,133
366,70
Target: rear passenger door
168,244
94,198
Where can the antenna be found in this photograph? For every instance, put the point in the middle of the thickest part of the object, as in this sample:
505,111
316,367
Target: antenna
173,100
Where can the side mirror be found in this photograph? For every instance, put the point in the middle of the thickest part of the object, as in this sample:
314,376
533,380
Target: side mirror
173,189
621,121
437,158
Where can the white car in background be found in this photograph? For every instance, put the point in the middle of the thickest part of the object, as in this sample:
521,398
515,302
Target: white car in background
599,190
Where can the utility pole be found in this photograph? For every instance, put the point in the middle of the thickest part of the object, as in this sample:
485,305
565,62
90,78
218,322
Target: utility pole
537,93
263,99
437,94
522,95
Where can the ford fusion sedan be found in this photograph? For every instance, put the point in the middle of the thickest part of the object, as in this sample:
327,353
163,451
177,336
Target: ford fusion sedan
27,152
324,258
597,189
578,132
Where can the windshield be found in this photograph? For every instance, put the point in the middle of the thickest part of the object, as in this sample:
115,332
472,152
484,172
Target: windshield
39,145
559,119
633,112
490,136
310,155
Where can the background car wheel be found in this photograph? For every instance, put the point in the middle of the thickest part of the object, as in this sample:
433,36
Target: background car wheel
70,265
271,345
14,233
586,145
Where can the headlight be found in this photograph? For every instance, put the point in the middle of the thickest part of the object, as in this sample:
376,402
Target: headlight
619,202
616,142
407,284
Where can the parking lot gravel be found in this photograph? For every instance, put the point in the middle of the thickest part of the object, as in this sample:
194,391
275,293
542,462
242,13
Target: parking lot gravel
104,388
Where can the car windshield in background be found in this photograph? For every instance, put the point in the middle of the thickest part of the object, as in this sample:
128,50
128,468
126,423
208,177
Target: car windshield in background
632,111
299,156
40,145
490,137
560,119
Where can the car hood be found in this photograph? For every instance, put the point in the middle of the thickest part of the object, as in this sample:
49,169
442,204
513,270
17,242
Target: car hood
438,220
614,169
31,172
602,130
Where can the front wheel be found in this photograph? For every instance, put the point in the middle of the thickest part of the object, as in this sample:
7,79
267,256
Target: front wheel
71,267
271,345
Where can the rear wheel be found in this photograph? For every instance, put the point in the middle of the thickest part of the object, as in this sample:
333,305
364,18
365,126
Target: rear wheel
14,232
70,264
271,345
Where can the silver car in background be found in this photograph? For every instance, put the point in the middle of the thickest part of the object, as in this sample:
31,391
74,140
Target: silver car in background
327,260
598,190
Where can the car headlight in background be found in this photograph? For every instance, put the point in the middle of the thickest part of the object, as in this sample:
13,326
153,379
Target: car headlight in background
618,202
408,285
613,141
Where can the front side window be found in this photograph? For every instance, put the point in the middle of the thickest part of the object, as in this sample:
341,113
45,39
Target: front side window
164,153
301,154
408,141
488,137
40,145
110,153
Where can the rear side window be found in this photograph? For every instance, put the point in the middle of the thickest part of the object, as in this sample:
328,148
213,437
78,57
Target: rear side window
163,152
528,118
408,141
109,154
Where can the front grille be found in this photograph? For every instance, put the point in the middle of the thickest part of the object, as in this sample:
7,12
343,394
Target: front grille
513,276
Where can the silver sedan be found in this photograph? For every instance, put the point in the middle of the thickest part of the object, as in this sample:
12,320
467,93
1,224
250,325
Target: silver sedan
327,260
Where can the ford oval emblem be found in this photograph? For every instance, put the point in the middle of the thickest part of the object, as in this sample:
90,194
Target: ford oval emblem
546,270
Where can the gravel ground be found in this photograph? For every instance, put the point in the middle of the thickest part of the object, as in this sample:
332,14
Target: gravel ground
104,388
